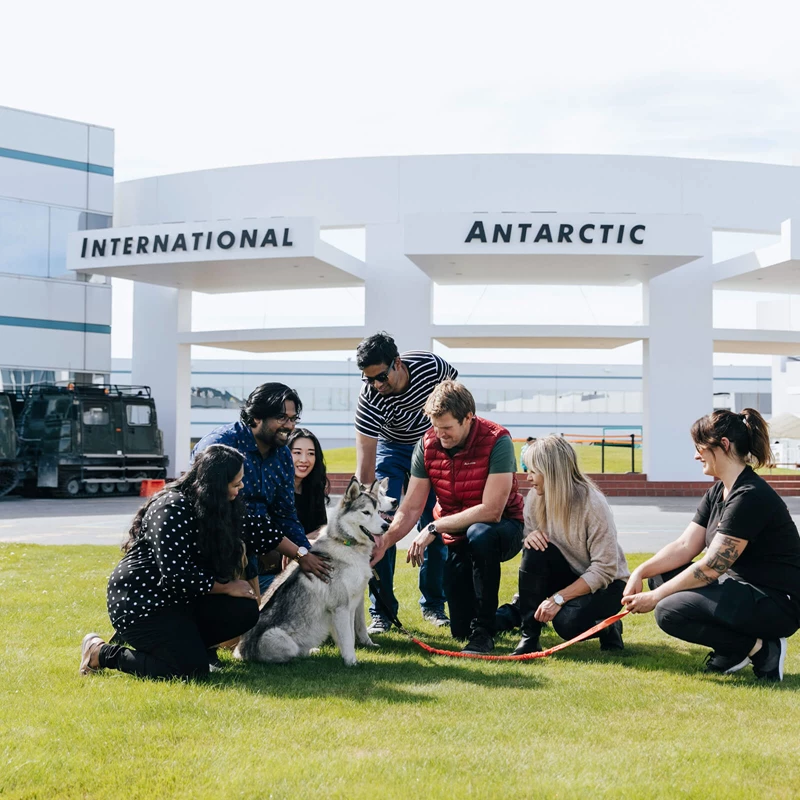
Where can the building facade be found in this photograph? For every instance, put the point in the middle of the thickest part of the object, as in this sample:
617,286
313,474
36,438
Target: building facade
449,220
56,178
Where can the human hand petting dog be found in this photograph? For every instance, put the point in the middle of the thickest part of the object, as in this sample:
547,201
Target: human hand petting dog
416,552
378,550
318,566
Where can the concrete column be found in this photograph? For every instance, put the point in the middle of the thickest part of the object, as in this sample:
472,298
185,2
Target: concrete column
398,296
159,313
678,368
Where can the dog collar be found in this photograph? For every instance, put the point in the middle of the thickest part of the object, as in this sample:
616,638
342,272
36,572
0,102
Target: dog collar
349,542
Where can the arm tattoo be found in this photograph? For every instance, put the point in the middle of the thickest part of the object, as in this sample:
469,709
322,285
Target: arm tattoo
720,557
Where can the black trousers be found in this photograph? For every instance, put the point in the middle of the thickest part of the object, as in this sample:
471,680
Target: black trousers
727,616
543,572
472,574
173,642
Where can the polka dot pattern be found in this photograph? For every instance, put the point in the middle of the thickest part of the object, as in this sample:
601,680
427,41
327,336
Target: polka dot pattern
165,567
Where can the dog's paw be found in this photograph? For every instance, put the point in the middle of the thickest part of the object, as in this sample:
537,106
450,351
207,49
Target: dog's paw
350,662
314,651
369,643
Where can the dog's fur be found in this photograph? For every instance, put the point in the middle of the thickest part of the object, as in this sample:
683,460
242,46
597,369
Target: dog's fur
298,613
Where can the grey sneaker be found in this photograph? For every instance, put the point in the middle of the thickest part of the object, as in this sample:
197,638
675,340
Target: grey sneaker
768,661
437,618
379,625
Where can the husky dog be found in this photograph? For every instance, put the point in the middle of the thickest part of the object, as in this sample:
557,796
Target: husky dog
297,613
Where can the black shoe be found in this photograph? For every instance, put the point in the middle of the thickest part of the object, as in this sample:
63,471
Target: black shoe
725,665
479,642
768,661
508,616
214,663
527,644
611,637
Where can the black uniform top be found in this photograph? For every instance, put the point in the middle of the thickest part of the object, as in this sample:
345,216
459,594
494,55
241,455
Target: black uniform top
164,566
755,512
311,510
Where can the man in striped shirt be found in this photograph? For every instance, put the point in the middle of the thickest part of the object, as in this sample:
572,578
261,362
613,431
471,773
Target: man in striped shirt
389,422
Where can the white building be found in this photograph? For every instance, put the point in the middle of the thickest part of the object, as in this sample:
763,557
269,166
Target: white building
529,399
56,177
506,219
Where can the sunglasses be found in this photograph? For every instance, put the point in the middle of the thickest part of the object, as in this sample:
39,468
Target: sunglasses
381,377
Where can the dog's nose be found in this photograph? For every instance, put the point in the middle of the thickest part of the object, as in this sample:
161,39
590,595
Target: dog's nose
385,527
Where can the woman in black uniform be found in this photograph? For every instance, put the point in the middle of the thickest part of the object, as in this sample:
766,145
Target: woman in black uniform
177,593
742,598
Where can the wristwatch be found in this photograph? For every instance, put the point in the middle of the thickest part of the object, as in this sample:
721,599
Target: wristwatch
301,551
558,599
432,529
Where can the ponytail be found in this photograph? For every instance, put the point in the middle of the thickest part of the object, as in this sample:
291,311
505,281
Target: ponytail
747,432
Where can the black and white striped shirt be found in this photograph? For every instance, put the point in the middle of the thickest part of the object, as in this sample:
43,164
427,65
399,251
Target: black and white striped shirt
399,417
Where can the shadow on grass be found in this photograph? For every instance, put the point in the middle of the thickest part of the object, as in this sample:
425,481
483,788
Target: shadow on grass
384,681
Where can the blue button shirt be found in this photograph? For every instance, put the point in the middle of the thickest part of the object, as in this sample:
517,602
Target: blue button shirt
268,480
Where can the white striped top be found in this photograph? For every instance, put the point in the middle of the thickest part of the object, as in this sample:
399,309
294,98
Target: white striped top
399,417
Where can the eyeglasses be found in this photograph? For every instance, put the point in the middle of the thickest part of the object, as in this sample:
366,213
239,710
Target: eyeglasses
381,377
284,418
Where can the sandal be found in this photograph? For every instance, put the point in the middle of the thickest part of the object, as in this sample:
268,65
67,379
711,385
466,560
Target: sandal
91,642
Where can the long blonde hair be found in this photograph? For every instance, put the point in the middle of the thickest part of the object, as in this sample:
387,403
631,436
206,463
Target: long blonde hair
567,490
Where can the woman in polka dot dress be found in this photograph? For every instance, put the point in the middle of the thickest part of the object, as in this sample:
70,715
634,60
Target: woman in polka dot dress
177,592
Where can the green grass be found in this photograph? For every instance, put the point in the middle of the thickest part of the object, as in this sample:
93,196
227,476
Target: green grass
644,723
618,459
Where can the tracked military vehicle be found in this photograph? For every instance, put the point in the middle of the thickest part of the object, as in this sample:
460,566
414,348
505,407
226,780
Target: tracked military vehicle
9,464
79,440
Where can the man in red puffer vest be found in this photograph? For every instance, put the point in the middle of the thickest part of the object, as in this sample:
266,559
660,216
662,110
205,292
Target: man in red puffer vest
470,464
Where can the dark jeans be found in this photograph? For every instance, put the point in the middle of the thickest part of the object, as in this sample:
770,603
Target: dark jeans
543,572
472,574
173,642
393,461
727,616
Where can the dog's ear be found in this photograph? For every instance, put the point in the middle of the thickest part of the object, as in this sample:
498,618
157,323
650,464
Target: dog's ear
385,485
352,492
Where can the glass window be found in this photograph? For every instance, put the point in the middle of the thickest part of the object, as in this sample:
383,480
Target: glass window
95,416
138,414
63,221
24,238
323,398
91,222
633,403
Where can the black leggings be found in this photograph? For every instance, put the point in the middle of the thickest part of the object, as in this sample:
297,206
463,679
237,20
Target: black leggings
727,616
173,642
543,572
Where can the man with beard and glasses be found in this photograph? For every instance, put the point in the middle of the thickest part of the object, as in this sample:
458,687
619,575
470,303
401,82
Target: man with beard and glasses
267,419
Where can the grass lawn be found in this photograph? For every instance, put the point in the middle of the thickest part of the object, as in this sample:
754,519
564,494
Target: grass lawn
618,459
644,723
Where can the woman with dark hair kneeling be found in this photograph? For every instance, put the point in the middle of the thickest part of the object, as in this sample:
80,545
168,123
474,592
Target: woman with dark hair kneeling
573,570
742,598
176,594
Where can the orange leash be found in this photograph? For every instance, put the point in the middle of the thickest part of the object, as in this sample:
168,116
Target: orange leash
606,623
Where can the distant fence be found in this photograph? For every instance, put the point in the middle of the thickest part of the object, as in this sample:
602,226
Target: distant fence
631,440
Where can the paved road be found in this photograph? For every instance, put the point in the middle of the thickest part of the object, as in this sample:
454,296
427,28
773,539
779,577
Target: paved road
644,524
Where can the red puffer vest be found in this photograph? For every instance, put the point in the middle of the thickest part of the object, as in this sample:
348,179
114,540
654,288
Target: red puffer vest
459,480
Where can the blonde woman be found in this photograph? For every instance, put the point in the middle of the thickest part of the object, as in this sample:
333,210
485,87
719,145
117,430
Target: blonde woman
573,571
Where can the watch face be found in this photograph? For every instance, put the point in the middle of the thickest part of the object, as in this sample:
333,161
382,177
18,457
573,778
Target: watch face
302,551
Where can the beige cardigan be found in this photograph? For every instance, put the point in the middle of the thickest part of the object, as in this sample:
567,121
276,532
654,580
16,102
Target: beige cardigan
591,550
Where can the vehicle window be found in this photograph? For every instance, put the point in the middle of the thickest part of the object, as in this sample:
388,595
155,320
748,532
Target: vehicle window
138,415
95,416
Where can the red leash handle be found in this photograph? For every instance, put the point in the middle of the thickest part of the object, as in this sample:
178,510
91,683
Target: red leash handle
606,623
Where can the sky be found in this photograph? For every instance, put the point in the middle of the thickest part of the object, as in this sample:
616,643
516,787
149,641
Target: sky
190,86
